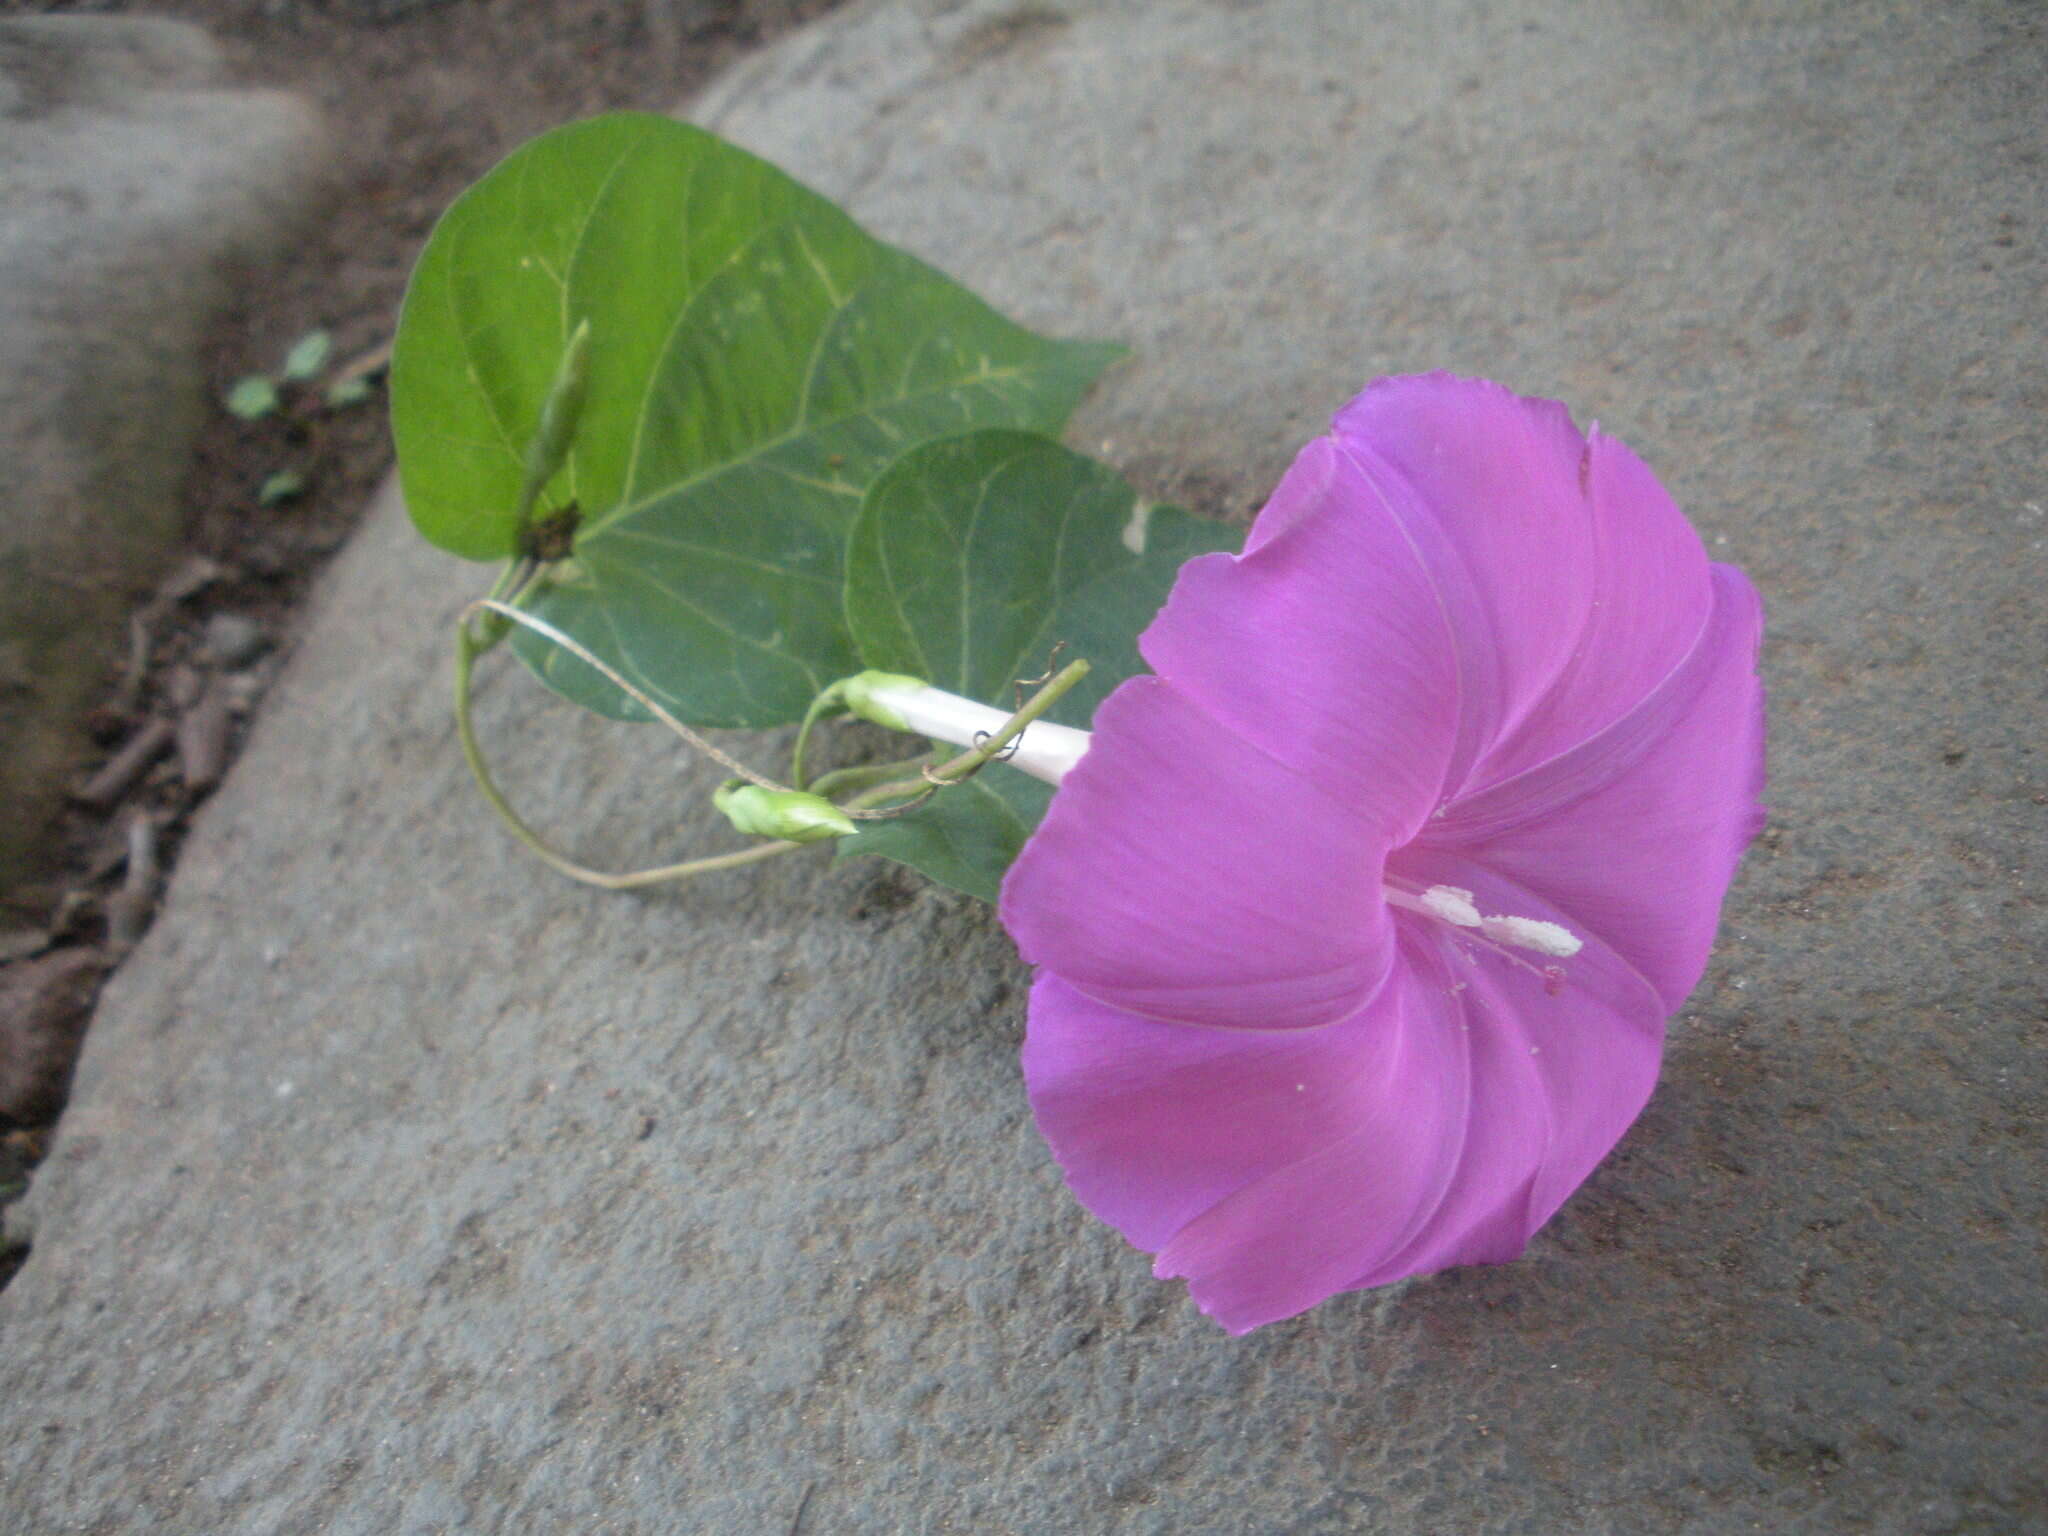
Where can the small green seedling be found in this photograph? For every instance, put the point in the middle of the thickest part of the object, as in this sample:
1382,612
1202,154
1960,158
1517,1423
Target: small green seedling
257,395
343,393
308,356
253,397
289,393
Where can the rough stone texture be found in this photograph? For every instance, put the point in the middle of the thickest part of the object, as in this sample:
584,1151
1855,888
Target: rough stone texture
133,187
406,1189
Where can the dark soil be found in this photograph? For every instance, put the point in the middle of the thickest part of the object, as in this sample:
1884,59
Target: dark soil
424,96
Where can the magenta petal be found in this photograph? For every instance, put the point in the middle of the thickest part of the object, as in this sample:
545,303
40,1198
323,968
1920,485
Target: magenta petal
1504,1099
1265,642
1571,581
1565,1055
1441,1125
1156,1122
1650,599
1468,660
1181,873
1486,485
1635,834
1237,1156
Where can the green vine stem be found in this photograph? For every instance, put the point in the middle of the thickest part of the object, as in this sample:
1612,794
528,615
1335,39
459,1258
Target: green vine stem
822,705
468,646
514,581
841,781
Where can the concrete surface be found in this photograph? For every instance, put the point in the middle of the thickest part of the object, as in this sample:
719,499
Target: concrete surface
407,1189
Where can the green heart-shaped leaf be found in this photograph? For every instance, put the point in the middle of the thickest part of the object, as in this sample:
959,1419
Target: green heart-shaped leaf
972,557
755,360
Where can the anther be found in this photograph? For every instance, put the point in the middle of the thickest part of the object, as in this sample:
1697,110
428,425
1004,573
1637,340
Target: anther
1458,907
1452,905
1531,933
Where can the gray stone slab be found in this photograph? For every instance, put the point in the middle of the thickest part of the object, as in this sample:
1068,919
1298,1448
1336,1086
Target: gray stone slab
136,188
406,1189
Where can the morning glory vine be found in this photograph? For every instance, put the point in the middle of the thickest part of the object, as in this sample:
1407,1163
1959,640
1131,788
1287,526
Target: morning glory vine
1360,865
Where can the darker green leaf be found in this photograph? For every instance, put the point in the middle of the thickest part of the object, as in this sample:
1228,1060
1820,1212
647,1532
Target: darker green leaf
972,557
964,837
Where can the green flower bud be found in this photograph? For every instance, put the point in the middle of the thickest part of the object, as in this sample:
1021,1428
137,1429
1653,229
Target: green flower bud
788,814
863,696
562,410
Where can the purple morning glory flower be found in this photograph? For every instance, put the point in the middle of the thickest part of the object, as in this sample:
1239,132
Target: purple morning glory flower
1358,924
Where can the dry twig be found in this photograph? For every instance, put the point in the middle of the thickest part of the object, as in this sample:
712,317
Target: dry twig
128,909
104,789
203,739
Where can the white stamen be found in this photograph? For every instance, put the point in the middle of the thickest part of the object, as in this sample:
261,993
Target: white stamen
1531,933
1458,907
1045,750
1452,905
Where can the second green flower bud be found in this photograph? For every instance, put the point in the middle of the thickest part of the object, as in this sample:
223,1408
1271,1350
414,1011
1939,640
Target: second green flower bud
788,814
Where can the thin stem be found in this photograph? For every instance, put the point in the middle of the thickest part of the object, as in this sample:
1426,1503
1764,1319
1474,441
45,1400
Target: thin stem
467,648
513,578
618,680
518,577
828,700
842,780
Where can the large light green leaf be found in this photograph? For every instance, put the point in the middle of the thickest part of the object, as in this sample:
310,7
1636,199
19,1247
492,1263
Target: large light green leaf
756,358
972,557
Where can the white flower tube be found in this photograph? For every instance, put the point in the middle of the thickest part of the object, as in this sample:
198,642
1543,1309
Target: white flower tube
1044,750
